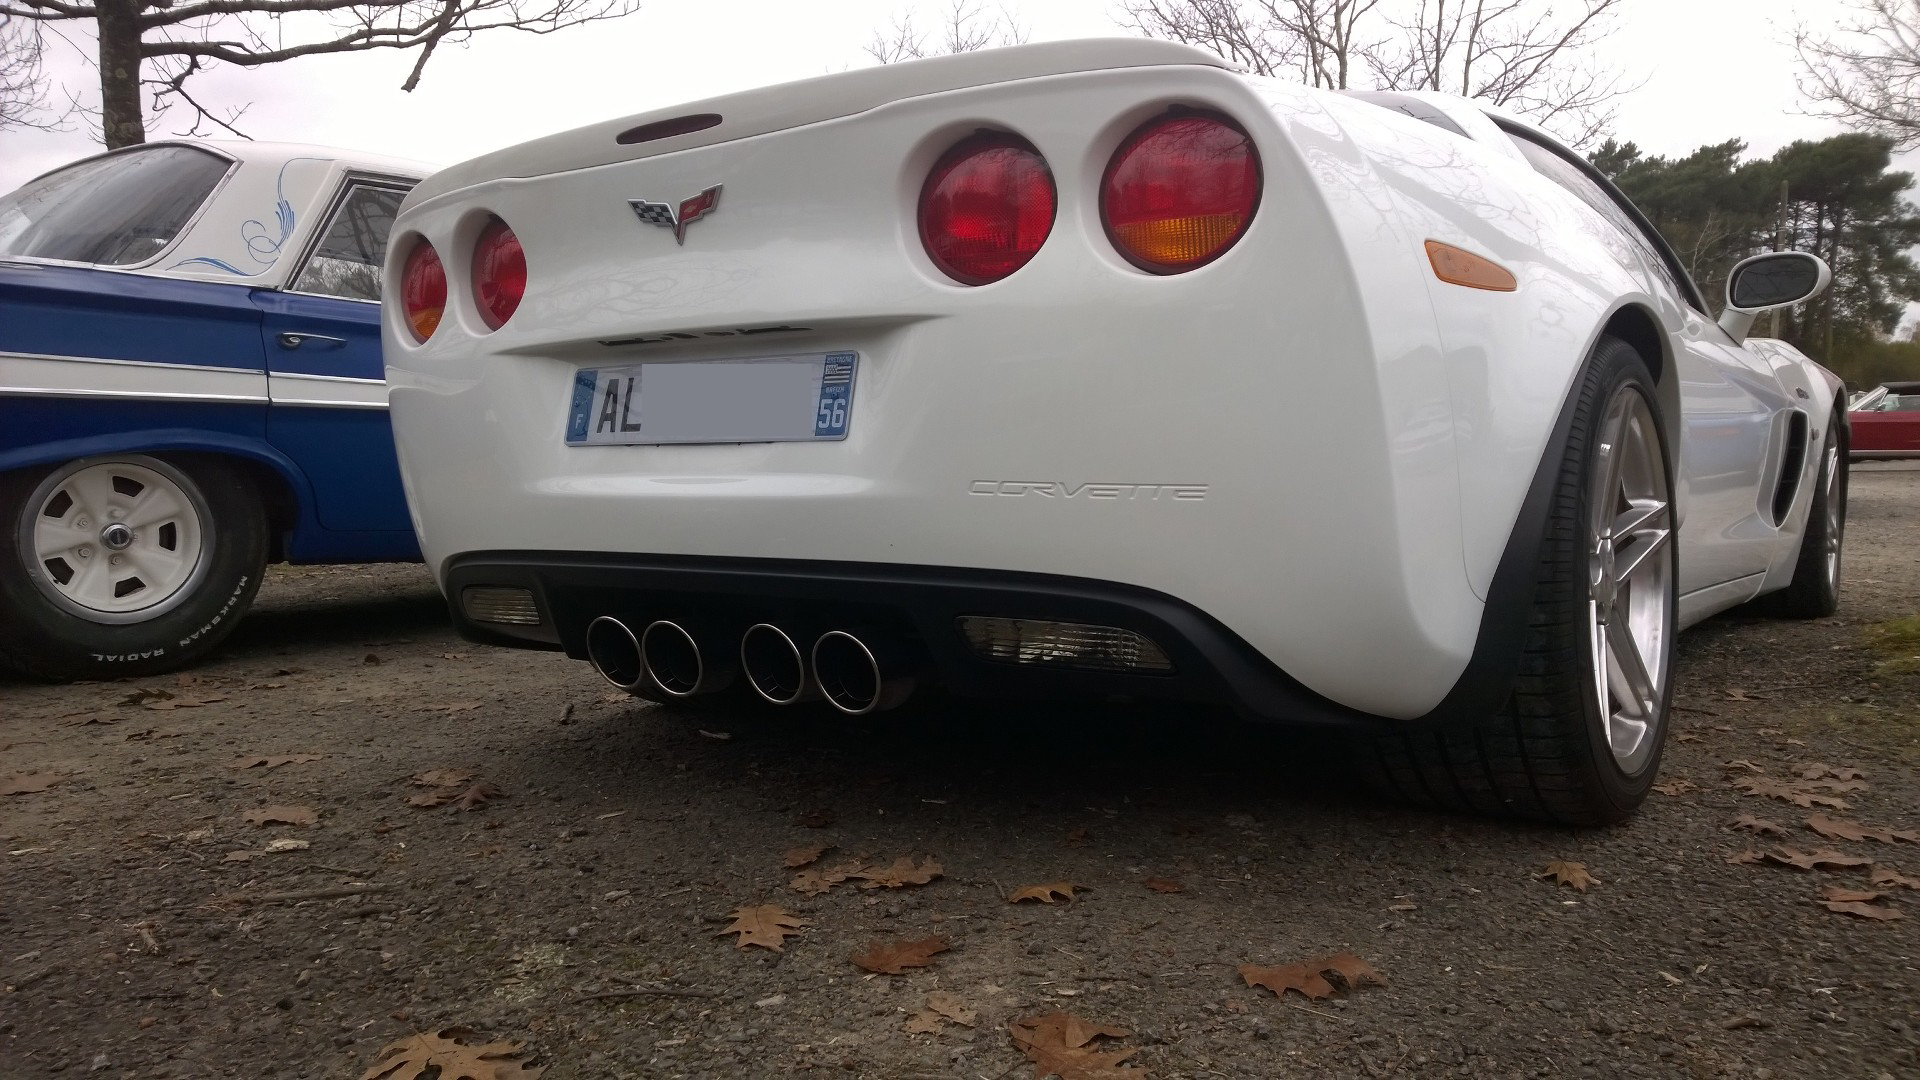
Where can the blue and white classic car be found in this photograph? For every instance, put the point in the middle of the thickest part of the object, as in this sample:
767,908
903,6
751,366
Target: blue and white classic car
190,388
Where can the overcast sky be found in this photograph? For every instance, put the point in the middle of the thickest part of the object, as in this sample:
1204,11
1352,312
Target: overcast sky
1713,69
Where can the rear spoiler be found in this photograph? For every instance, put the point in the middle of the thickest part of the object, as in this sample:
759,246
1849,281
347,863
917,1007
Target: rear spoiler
775,108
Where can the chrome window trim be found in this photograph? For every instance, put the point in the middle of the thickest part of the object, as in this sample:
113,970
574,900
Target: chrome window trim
319,234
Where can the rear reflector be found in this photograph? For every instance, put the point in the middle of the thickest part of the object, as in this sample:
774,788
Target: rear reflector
1179,192
506,607
986,208
1066,645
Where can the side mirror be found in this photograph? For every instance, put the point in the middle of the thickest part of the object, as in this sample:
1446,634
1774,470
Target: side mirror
1770,280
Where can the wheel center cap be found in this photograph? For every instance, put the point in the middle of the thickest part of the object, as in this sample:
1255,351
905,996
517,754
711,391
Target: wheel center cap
116,537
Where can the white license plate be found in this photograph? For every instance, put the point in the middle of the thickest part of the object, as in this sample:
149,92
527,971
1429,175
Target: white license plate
803,398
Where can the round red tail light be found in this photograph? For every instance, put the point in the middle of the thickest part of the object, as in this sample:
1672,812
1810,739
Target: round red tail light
1179,192
423,290
986,208
499,273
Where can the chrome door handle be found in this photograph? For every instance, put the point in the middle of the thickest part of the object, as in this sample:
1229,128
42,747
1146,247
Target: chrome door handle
293,340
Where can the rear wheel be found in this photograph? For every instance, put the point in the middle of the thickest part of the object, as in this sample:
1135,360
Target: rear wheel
1580,737
124,565
1815,591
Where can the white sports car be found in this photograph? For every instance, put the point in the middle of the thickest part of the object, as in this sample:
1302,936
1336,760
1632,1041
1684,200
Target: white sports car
1099,368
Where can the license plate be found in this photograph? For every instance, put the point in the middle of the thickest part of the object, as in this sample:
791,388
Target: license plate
805,398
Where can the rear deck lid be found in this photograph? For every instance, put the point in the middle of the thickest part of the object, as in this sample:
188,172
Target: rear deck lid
775,108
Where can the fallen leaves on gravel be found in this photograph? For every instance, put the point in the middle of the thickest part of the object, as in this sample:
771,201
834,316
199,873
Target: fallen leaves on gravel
818,879
28,783
1757,825
281,815
1745,858
1816,770
1679,785
1842,894
902,873
766,925
1887,875
895,957
941,1006
1836,829
441,777
1046,894
1796,792
1310,977
1742,763
273,761
277,847
1817,860
1571,874
1164,885
795,858
448,1055
451,786
1057,1044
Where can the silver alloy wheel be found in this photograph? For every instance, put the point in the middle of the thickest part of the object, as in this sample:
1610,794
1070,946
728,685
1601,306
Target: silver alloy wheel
116,540
1836,514
1630,578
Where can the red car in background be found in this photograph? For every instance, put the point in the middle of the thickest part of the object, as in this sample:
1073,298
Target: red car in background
1886,422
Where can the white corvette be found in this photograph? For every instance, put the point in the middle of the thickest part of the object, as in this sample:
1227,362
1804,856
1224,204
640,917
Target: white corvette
1099,368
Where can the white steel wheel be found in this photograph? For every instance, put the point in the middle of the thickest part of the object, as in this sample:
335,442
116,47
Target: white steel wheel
116,540
1630,578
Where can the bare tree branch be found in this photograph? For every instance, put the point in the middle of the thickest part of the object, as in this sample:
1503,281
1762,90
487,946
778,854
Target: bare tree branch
965,27
1868,75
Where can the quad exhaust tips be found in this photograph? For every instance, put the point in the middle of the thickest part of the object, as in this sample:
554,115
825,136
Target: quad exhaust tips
615,653
861,672
776,666
678,666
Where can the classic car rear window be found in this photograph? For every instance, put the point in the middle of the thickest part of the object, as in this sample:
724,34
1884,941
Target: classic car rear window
116,210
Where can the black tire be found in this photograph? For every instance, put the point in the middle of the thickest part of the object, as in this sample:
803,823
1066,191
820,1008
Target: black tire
1545,755
1815,591
44,637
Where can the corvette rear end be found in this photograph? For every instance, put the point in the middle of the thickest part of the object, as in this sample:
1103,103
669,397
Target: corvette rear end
1079,369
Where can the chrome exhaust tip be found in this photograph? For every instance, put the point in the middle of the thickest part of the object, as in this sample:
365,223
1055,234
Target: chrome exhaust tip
862,675
775,666
615,653
676,664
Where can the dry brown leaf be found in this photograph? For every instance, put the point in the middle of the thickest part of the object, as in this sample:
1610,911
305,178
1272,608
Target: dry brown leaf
1844,895
1864,911
282,845
1887,875
903,872
28,783
429,799
795,858
1746,858
1679,785
1056,1043
765,925
1839,787
273,761
1817,860
1816,770
1164,885
894,957
818,879
1795,793
372,659
1046,894
281,815
1835,829
1309,977
924,1022
951,1007
1742,763
1757,825
478,796
1571,874
448,1055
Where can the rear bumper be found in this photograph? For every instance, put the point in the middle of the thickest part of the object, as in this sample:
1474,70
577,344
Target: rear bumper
1211,664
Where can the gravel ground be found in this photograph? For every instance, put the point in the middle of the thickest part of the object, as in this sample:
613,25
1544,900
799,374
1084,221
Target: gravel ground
136,945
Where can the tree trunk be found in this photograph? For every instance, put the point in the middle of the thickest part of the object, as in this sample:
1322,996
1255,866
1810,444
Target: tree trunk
121,119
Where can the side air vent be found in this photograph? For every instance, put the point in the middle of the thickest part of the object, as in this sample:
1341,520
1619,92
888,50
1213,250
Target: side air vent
1791,462
667,129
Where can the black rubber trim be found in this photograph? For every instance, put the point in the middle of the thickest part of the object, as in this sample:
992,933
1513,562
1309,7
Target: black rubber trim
1212,664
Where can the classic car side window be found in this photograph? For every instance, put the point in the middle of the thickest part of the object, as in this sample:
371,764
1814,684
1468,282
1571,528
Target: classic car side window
346,262
116,210
1572,177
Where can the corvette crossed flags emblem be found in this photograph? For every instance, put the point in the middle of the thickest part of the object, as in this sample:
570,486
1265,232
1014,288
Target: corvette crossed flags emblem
678,217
